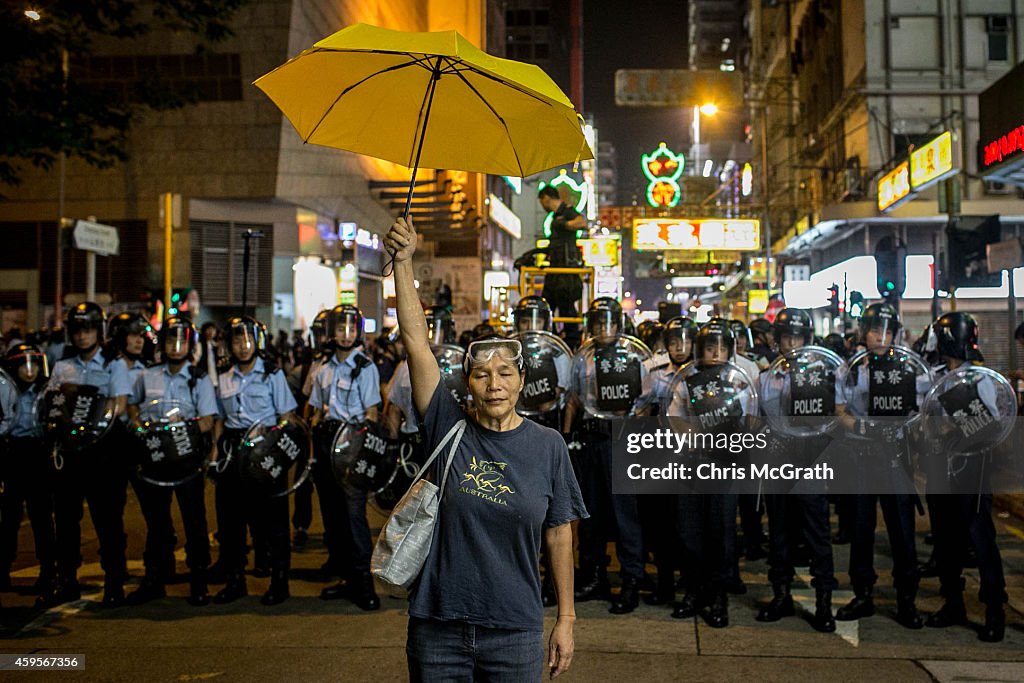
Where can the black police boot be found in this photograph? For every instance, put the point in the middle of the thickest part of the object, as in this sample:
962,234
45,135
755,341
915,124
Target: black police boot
628,598
906,610
781,604
47,581
234,588
278,591
113,593
300,538
47,587
953,612
686,608
198,589
665,591
151,588
593,586
363,593
335,592
994,627
861,606
823,620
717,614
548,597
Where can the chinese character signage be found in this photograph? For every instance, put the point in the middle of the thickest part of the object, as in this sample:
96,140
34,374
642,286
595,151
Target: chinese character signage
741,234
894,187
932,162
663,167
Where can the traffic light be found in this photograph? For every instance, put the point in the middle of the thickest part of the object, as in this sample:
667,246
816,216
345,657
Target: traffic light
833,301
856,304
891,276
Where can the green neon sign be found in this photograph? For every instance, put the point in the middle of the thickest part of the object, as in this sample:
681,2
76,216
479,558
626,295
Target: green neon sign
580,188
663,168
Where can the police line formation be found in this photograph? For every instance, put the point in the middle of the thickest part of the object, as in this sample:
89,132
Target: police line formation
163,415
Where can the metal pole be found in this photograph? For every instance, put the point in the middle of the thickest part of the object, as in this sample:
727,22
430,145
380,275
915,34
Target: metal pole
90,276
766,221
58,309
696,140
168,247
1011,318
247,236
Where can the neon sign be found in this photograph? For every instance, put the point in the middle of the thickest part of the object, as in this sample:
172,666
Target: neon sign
932,162
663,168
1005,146
578,189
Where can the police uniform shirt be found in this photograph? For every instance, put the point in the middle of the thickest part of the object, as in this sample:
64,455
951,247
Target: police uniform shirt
135,368
8,406
748,366
256,397
346,398
400,394
110,378
658,380
160,384
26,419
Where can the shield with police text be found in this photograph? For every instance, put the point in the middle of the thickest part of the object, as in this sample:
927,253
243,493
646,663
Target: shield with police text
608,377
798,391
546,364
411,455
890,383
362,456
969,411
275,460
76,416
716,394
172,448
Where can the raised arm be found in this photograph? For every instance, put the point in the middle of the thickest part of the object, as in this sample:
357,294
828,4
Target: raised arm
401,242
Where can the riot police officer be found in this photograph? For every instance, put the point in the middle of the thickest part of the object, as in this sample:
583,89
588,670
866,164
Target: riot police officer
251,391
961,519
600,387
302,513
763,348
793,331
86,475
531,314
346,391
880,328
25,472
182,389
707,522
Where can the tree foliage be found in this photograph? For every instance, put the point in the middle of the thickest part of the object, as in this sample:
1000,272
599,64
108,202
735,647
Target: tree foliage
47,110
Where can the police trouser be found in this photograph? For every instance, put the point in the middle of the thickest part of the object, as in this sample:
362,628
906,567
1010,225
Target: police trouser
607,511
27,477
707,525
957,517
810,513
346,529
750,519
238,503
302,506
155,502
97,474
898,510
658,514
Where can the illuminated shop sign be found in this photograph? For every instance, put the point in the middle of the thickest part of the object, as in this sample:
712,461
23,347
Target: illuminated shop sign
894,187
663,167
932,162
1003,147
505,217
741,234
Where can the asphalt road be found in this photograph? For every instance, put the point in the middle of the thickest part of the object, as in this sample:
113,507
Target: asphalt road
310,640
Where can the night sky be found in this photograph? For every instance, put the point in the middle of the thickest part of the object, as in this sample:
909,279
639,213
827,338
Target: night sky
638,34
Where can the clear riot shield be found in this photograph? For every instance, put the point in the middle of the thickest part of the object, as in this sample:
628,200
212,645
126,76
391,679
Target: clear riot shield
547,362
608,377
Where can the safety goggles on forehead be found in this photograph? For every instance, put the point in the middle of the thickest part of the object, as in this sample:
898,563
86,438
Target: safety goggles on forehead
482,351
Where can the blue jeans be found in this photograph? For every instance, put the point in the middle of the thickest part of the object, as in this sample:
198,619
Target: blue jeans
457,651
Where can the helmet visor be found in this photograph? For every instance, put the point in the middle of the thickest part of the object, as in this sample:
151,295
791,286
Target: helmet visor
715,349
176,341
602,323
243,340
30,365
346,329
880,332
532,320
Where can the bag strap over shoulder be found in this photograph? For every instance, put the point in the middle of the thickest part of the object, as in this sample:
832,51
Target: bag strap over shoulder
456,431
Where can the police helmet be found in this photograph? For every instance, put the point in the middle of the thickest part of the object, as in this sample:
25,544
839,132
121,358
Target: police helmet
532,313
956,336
794,322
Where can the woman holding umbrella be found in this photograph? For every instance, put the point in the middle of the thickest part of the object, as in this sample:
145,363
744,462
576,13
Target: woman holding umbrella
476,611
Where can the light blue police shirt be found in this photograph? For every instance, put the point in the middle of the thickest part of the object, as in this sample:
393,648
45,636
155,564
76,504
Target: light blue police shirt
245,399
346,398
160,384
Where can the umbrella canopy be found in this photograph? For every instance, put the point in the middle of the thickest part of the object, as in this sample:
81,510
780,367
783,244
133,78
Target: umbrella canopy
428,100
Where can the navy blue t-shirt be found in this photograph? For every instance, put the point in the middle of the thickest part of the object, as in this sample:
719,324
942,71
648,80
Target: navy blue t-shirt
503,490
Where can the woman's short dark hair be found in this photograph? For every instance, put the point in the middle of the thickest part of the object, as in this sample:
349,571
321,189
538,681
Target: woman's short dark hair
548,191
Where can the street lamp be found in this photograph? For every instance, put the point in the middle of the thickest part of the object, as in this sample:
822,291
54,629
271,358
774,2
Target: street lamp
707,109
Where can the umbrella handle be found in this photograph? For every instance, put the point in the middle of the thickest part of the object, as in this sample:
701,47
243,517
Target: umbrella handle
389,266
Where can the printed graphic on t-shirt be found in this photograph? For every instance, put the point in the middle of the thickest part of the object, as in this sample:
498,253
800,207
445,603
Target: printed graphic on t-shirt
486,479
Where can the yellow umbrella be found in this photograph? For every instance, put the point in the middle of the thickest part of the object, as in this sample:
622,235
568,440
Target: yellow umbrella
426,99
